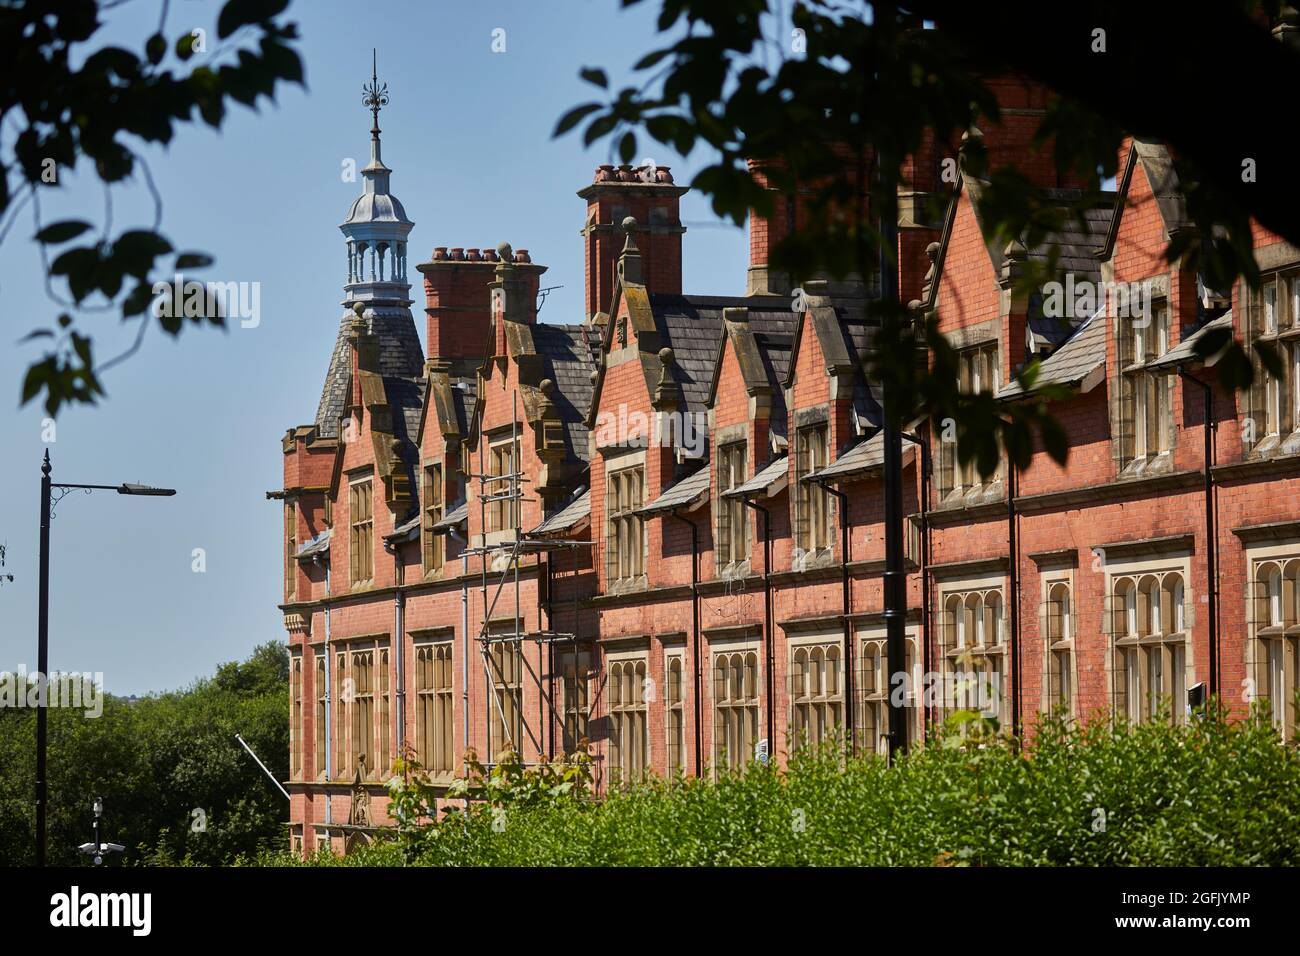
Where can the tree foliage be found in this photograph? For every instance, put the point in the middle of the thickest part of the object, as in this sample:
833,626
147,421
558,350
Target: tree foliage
177,786
75,103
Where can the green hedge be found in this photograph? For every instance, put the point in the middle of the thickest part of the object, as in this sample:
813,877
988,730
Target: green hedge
1214,793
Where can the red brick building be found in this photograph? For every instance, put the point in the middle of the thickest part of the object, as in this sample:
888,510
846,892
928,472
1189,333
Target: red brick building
658,532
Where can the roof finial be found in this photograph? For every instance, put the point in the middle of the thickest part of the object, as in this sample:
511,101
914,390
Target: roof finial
374,97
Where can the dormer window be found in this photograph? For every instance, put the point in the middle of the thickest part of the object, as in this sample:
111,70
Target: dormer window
733,516
1144,397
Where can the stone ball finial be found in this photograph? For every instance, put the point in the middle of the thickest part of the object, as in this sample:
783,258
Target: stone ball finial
914,305
629,223
546,387
666,356
594,377
360,309
932,251
505,251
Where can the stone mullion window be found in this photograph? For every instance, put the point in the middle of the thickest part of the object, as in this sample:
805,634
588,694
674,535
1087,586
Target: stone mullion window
735,708
506,659
1057,630
732,545
624,531
816,693
362,525
675,714
503,458
433,511
973,650
1275,649
295,718
363,712
1149,621
575,668
812,502
628,742
290,551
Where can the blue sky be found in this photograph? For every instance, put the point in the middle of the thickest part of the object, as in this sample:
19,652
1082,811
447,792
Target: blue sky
467,134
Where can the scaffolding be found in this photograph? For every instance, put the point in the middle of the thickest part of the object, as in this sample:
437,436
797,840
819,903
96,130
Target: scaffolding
513,545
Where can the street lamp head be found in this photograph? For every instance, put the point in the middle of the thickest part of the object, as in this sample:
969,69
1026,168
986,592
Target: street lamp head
132,489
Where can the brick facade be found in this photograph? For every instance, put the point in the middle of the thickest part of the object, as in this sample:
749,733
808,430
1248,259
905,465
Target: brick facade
693,674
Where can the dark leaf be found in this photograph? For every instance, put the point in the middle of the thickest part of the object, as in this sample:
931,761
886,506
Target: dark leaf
62,231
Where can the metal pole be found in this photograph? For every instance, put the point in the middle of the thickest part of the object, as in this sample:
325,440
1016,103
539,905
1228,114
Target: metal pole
243,743
42,658
895,578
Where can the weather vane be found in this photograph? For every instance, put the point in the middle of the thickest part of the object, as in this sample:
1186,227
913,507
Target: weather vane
374,97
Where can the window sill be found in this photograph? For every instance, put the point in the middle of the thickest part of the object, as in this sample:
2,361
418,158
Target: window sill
626,585
1147,466
736,569
807,560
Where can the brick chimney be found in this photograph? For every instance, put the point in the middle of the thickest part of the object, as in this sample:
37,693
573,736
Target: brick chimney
647,194
458,301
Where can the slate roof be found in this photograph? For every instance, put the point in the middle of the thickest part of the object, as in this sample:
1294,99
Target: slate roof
1184,352
1076,245
568,516
691,325
1071,363
464,400
759,485
865,456
683,493
569,357
401,364
457,515
408,530
317,545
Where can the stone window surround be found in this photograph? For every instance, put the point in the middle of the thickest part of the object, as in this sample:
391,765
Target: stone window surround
877,634
1281,548
1137,560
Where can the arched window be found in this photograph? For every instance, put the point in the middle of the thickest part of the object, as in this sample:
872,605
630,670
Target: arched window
735,724
627,721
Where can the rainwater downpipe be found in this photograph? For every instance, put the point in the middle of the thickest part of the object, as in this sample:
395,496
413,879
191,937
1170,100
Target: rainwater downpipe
850,716
1013,546
329,704
695,635
464,634
1211,540
399,643
926,665
768,636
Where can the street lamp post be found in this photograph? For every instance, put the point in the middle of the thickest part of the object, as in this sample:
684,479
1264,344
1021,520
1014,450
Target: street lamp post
43,625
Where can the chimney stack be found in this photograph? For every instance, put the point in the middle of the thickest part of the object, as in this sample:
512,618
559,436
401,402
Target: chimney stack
647,194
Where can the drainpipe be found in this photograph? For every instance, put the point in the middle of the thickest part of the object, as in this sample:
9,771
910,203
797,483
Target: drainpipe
1211,541
850,710
329,705
695,636
767,620
1013,545
464,634
399,642
925,568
